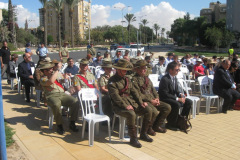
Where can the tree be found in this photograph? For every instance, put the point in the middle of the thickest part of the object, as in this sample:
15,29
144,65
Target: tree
156,27
44,10
57,5
144,22
71,4
50,39
130,18
167,33
4,33
214,35
162,33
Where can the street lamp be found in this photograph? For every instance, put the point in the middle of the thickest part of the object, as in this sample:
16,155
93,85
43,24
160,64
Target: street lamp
122,22
140,28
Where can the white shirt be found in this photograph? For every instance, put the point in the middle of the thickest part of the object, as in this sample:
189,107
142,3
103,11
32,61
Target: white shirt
167,60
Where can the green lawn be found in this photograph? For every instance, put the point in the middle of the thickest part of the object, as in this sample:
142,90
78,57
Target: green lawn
9,133
207,54
17,52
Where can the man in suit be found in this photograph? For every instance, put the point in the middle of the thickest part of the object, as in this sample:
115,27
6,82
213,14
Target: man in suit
224,86
169,93
25,74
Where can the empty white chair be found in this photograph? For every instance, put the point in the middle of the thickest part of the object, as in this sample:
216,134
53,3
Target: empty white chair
194,99
206,92
89,115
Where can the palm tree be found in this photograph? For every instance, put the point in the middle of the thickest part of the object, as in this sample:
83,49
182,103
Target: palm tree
44,9
156,27
71,4
144,22
162,34
130,18
57,5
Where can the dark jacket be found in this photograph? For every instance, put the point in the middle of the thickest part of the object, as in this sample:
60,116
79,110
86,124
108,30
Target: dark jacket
166,90
5,54
221,82
23,71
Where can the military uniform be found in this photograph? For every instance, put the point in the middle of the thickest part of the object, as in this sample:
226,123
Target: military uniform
147,92
123,94
79,82
56,98
64,52
91,51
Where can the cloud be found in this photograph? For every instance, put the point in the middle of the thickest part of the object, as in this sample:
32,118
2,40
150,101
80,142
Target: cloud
100,15
163,14
22,15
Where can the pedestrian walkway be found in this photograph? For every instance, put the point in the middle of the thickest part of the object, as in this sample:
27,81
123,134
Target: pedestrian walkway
214,136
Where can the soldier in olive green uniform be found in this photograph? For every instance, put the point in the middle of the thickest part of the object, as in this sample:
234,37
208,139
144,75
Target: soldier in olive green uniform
149,94
56,97
63,53
127,102
103,81
91,51
84,79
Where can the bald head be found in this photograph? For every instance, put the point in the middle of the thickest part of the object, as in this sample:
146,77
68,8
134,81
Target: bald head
27,57
226,64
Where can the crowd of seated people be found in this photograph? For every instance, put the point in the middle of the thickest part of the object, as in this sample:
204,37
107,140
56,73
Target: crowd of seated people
126,89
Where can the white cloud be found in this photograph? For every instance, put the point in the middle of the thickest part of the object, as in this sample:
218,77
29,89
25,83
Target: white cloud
100,15
163,14
22,15
119,6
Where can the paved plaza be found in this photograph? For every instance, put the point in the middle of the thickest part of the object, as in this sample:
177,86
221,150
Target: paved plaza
213,136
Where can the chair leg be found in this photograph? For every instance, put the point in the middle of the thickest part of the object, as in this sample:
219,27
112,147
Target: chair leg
83,127
51,117
12,83
109,130
121,128
38,93
91,133
194,106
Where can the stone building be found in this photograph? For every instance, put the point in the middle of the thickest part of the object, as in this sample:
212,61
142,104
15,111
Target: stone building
233,12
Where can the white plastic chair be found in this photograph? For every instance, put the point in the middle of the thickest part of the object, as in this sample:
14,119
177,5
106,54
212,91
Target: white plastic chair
37,99
206,92
154,78
89,114
92,69
18,80
194,99
51,117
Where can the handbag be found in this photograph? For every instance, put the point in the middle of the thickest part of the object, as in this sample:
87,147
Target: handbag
184,124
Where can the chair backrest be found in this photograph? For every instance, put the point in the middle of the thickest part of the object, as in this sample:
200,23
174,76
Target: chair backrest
92,69
97,68
77,64
16,72
154,79
87,99
204,85
183,85
64,66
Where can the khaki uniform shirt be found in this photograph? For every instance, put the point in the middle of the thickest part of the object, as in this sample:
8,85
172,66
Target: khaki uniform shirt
64,51
89,77
130,97
103,81
50,90
147,94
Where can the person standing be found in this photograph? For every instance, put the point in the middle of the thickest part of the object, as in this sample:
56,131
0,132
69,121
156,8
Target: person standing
224,86
5,57
169,93
149,94
28,49
127,102
42,52
26,75
56,97
63,52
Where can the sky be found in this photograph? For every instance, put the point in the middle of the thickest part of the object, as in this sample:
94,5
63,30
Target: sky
109,12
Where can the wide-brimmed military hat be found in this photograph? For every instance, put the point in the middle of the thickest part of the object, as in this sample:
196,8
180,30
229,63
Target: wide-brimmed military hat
134,61
66,42
106,64
46,65
210,61
47,59
84,61
140,63
123,65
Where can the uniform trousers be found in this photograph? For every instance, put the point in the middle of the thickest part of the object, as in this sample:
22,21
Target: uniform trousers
6,70
56,100
132,114
175,106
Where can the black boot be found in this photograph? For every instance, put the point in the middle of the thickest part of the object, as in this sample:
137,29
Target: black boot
150,130
73,127
144,136
133,137
60,129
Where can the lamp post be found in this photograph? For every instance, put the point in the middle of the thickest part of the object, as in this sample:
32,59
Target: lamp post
140,28
122,22
89,22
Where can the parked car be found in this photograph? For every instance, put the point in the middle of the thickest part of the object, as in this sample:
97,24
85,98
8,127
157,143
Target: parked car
114,46
136,47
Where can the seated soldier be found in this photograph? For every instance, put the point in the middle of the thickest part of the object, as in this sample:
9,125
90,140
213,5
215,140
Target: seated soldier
149,94
56,97
127,102
103,81
84,79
